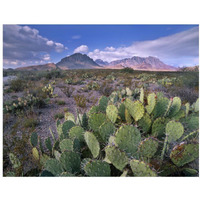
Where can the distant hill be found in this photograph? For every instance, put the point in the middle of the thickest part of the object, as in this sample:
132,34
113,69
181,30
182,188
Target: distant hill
77,61
140,63
190,69
101,62
45,67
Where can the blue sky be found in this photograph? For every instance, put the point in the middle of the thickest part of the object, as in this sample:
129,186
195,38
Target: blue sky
25,45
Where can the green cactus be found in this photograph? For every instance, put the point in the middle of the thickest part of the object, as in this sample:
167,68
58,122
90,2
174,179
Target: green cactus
112,141
48,144
92,143
158,127
175,107
187,109
125,173
93,110
66,174
77,132
54,166
14,160
174,130
117,157
145,123
141,95
148,147
161,107
41,146
46,173
128,117
85,121
96,168
112,113
128,92
141,169
66,144
35,153
180,114
136,109
59,130
96,120
192,123
105,130
103,102
67,125
70,161
69,116
184,153
121,112
191,135
128,139
57,154
34,139
196,106
189,172
151,99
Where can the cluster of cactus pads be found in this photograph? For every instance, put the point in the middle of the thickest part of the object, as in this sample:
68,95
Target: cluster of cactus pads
124,136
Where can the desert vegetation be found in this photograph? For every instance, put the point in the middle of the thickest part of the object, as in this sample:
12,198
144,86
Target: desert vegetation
99,122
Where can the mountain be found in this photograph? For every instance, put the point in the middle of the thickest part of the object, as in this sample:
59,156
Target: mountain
140,63
45,67
101,62
77,61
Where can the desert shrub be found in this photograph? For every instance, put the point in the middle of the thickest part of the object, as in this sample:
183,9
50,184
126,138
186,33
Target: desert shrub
17,85
127,70
68,90
59,116
106,89
61,102
30,123
80,100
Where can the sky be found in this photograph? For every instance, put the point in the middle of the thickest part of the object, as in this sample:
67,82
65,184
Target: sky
25,45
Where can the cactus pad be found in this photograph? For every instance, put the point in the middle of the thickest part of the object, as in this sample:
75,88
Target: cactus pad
54,166
97,168
14,160
175,107
196,106
69,116
93,110
105,130
158,127
35,153
103,102
48,144
34,139
128,117
184,153
116,157
187,109
121,112
92,143
70,161
148,147
141,169
151,99
77,132
96,120
112,113
66,144
174,130
145,123
66,127
128,139
142,95
136,109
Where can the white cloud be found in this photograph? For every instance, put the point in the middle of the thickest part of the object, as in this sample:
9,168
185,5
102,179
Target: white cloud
22,44
183,46
81,49
46,57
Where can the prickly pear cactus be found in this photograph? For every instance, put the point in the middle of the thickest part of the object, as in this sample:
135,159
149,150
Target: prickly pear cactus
158,127
77,132
141,169
112,113
174,130
66,126
85,121
184,153
48,144
92,143
14,160
96,168
142,95
121,112
69,116
96,120
35,153
128,117
117,157
145,123
175,107
148,147
128,139
66,144
54,166
103,102
136,109
34,139
70,161
151,99
106,130
187,109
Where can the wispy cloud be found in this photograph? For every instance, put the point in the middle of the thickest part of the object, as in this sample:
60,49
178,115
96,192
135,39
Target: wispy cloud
23,45
81,49
183,46
76,37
